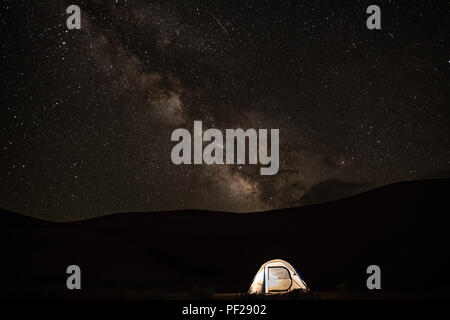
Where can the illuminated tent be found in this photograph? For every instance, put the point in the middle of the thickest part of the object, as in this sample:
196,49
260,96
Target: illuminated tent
275,277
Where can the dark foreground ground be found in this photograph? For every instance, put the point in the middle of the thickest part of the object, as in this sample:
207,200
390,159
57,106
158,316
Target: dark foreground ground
403,228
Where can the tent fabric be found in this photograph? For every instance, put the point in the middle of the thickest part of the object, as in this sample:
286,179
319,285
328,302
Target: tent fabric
276,277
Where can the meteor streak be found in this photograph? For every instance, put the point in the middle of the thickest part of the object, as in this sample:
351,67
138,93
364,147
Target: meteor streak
218,22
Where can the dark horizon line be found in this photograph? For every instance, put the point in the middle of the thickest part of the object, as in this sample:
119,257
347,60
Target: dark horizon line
206,211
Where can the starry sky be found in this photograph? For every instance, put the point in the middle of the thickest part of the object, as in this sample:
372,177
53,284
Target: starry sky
87,114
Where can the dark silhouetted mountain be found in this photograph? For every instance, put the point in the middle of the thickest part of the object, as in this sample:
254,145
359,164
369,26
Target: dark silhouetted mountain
403,228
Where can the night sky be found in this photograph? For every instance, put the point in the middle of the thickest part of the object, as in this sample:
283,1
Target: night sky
87,115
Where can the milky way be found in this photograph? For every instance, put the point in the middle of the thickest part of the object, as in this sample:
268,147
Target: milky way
87,114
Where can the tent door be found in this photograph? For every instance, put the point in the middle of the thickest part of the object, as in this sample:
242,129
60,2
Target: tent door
278,279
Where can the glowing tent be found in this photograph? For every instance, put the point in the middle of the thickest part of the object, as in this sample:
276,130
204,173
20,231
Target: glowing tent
275,277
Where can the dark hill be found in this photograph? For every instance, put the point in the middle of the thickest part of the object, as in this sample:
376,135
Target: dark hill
403,228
